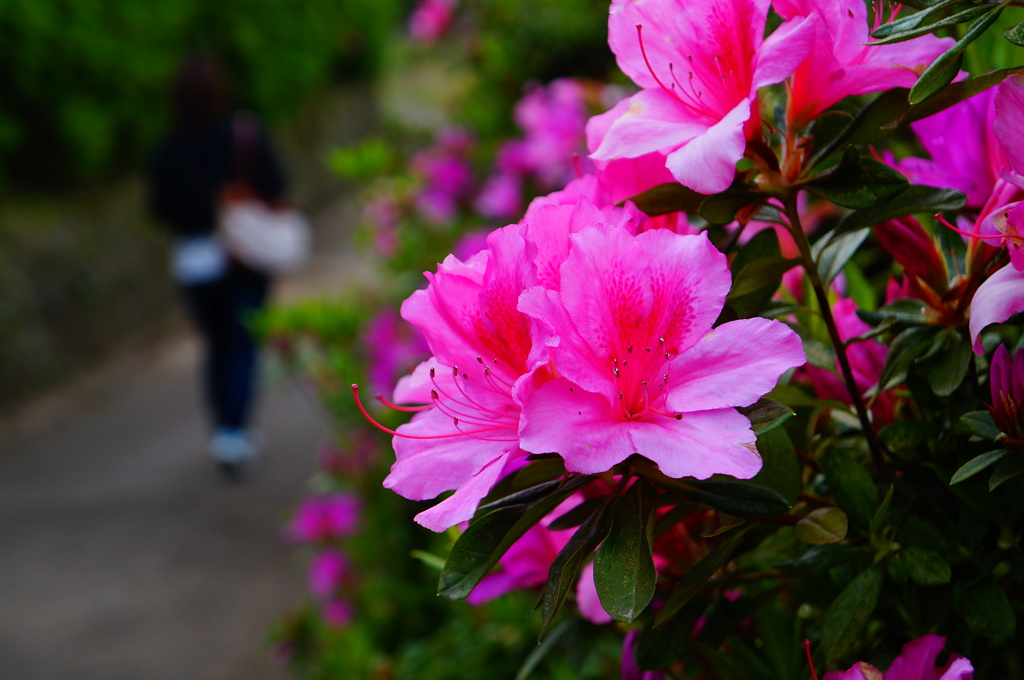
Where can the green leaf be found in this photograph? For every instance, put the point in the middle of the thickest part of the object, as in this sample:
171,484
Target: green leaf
658,647
699,575
538,472
844,621
905,349
781,469
668,198
960,17
988,611
722,208
947,372
763,273
838,252
858,182
977,464
542,650
875,121
566,567
1006,470
917,198
851,485
492,532
821,526
766,414
906,435
820,558
742,499
981,424
954,93
881,517
909,22
577,516
944,69
1015,34
927,568
900,311
624,566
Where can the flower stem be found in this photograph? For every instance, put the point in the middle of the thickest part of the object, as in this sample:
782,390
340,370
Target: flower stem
875,445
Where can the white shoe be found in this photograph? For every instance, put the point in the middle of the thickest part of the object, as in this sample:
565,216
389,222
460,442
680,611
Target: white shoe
232,450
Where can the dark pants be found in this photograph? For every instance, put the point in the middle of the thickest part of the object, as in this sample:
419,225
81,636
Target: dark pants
222,309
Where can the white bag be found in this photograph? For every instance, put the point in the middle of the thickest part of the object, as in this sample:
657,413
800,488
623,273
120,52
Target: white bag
272,241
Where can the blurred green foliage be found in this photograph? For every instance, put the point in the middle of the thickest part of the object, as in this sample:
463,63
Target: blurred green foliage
85,82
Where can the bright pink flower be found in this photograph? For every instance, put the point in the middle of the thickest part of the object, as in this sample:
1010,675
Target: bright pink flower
844,63
447,176
327,572
637,367
700,64
996,300
483,350
914,248
628,664
915,662
501,196
431,19
337,613
1006,378
324,518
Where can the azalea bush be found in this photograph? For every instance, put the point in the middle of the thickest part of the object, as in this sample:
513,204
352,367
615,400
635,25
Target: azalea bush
745,390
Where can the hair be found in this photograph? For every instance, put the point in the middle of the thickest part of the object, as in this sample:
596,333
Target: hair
199,94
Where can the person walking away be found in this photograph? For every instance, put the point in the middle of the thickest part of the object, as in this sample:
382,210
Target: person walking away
207,150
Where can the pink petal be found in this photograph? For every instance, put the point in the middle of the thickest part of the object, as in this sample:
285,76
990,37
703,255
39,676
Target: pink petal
461,505
996,300
783,51
707,163
733,365
1009,120
652,121
699,445
917,660
587,600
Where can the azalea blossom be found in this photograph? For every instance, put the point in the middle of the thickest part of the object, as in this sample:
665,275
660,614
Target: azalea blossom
637,367
915,662
1006,379
843,62
700,64
324,518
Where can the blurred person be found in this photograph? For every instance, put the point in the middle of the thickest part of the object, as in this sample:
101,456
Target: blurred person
207,152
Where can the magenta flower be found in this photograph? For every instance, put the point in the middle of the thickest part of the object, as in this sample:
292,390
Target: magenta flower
446,174
324,518
394,349
843,62
700,64
1006,378
915,662
628,665
327,572
431,19
637,367
466,434
996,300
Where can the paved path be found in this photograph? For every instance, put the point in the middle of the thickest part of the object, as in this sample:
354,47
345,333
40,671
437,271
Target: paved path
122,554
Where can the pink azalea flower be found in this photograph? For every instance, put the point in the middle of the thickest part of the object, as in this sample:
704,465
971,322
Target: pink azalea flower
996,300
1006,378
628,668
327,572
447,176
700,64
324,518
337,613
637,367
431,19
842,61
915,662
483,348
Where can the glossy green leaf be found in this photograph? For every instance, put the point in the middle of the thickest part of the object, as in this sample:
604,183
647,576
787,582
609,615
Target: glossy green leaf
821,526
838,252
566,567
698,576
900,311
722,208
927,568
859,182
988,611
492,532
906,435
908,346
545,647
917,198
960,17
844,621
781,468
981,424
852,487
1015,34
977,464
947,371
577,515
911,21
1007,469
762,273
875,121
766,414
944,69
742,499
624,566
954,93
668,198
820,558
